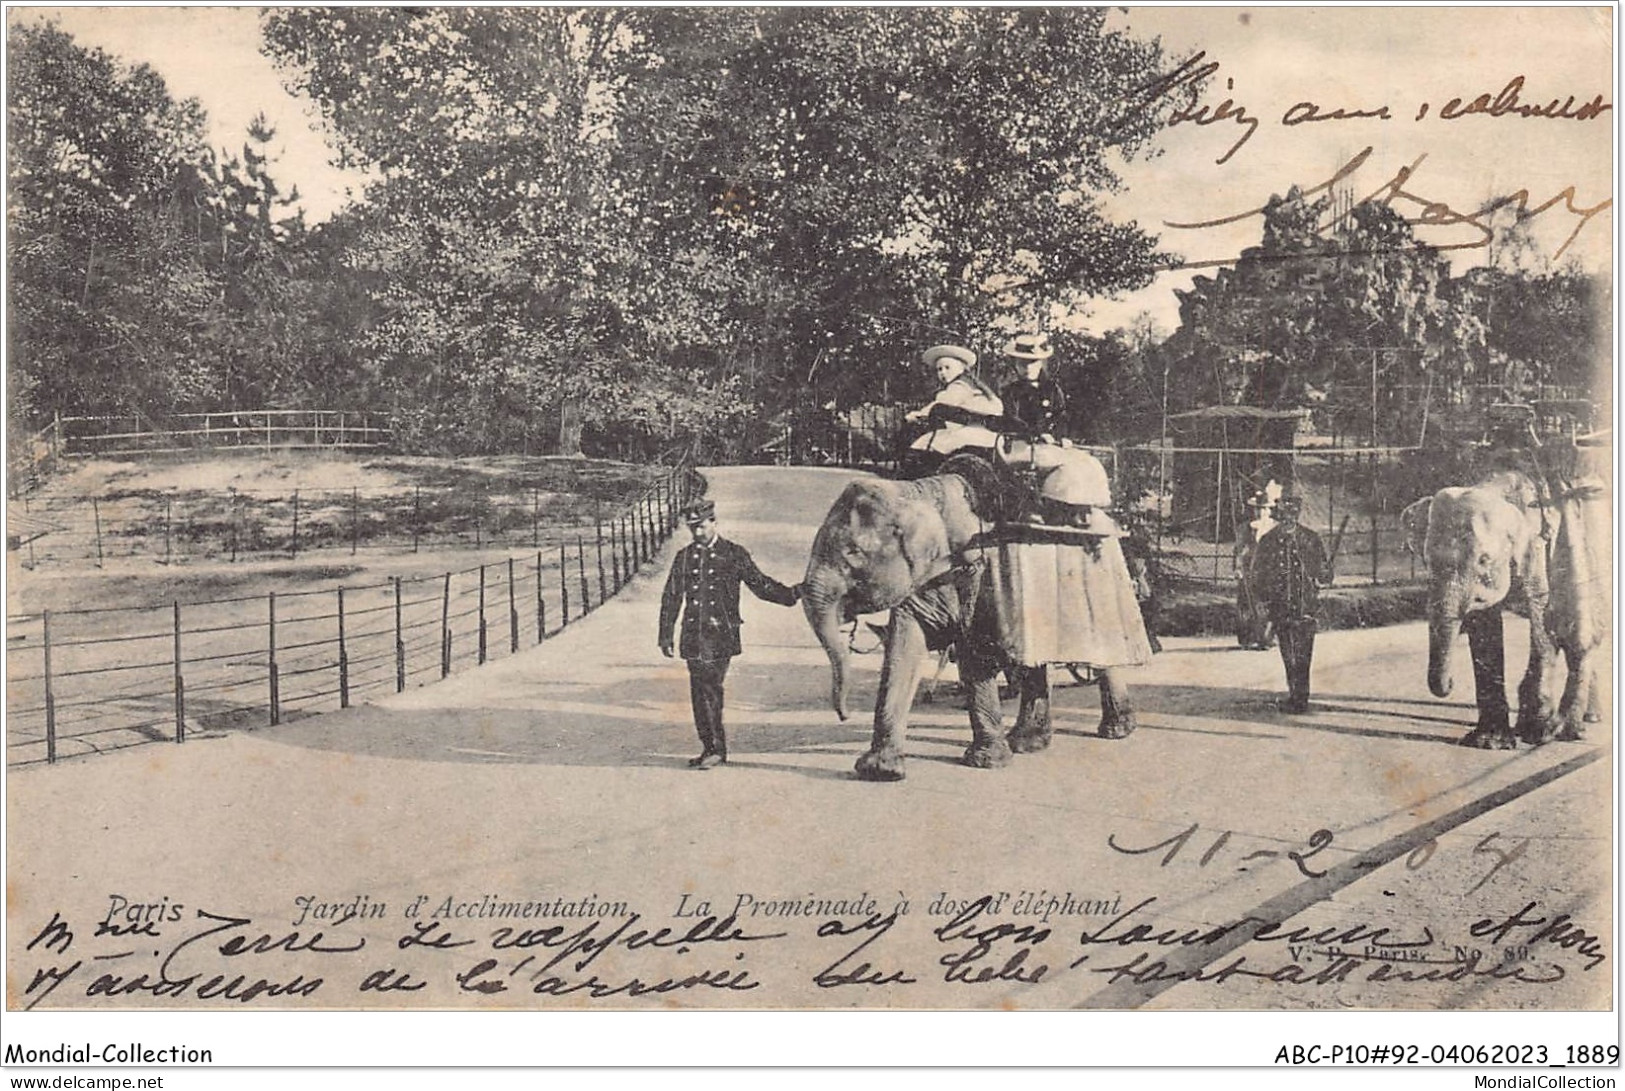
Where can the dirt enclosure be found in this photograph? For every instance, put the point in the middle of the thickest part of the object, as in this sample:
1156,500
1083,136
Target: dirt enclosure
129,639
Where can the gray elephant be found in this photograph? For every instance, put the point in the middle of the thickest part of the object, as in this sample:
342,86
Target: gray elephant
911,547
1544,553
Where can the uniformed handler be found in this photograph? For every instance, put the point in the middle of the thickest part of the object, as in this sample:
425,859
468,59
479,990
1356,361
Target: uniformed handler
1290,568
704,586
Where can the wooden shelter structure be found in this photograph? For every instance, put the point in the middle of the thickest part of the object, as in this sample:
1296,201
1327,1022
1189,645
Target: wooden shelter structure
1221,455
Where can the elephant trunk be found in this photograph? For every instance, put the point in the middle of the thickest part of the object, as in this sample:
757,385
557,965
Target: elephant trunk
824,614
1444,625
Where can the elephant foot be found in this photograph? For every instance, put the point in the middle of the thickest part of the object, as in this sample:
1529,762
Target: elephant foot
1593,717
1571,731
1117,726
1537,730
990,755
1028,743
883,766
1486,739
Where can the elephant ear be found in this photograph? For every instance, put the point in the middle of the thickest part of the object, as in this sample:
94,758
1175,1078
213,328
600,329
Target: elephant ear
1414,521
922,533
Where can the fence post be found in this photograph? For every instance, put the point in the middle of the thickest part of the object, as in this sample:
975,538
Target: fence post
598,538
400,643
614,553
344,658
513,613
581,565
234,534
647,519
355,517
169,502
445,628
275,681
295,550
1375,533
50,691
535,518
180,684
481,658
628,545
541,602
417,514
564,586
96,510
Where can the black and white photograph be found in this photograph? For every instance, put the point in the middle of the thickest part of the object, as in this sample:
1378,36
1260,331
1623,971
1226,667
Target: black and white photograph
1090,526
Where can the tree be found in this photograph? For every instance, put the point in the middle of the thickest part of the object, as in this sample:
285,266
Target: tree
724,206
103,164
150,275
504,233
1345,313
930,174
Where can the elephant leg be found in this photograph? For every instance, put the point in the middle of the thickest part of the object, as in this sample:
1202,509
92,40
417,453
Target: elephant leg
1485,642
1033,729
899,678
1593,705
1576,694
1537,712
988,748
1117,720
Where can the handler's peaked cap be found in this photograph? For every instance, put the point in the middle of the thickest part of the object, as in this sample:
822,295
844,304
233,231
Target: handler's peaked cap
953,352
699,511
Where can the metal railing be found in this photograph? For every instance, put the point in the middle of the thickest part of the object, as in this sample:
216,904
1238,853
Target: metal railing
87,681
327,429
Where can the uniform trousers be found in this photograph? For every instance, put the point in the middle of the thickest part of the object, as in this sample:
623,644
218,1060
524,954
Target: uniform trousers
1297,640
705,678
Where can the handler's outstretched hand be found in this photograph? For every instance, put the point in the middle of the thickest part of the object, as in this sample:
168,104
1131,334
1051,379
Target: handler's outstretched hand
667,650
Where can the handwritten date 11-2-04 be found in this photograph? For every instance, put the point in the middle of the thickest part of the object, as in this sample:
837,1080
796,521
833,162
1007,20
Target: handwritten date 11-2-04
1492,849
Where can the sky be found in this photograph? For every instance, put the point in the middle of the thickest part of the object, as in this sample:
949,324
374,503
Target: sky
1270,60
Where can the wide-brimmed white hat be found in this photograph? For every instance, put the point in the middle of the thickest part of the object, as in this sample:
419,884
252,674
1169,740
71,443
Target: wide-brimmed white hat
953,352
1029,346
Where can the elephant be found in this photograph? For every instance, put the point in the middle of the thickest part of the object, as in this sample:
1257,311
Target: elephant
1512,542
902,546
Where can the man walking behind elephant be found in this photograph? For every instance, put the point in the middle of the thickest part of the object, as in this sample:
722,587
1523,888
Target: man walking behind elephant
1290,567
704,587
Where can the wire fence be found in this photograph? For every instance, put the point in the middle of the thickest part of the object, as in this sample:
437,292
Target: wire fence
169,526
1197,499
1191,501
89,681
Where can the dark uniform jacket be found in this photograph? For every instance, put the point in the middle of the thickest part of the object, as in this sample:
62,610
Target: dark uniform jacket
1034,408
1289,566
704,585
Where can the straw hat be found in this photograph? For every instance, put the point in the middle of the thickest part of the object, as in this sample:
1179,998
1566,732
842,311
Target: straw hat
1029,346
953,352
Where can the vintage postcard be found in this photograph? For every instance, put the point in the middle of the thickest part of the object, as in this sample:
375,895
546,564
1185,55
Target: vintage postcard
786,509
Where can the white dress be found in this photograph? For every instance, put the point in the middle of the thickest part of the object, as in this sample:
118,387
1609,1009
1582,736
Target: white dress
951,436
